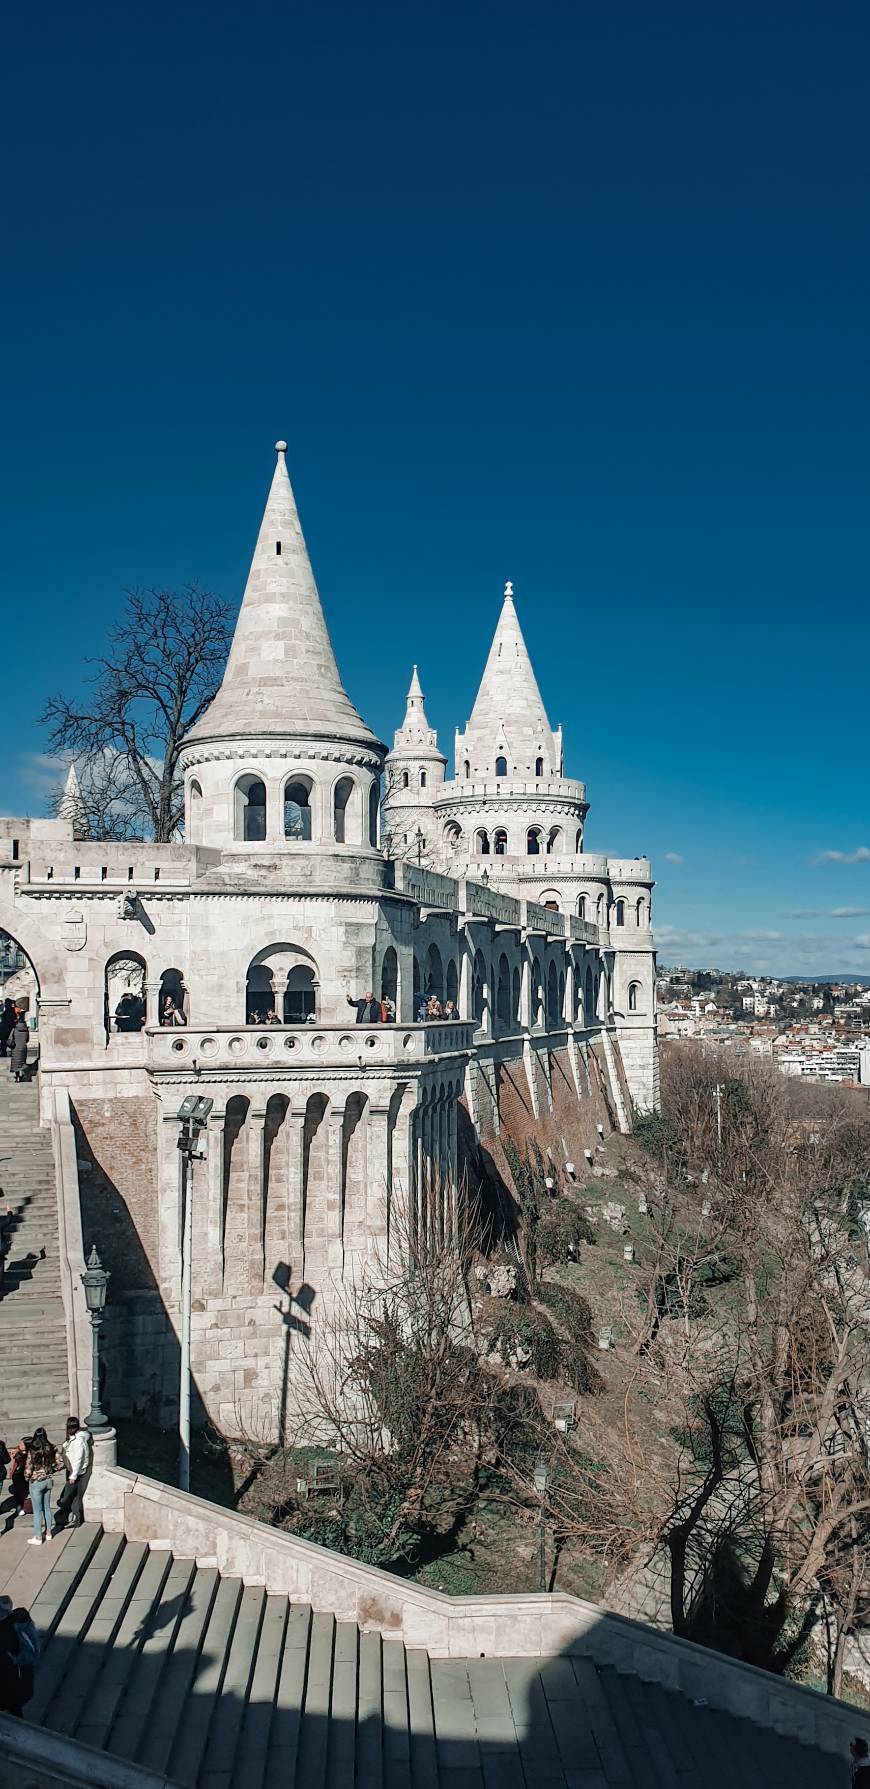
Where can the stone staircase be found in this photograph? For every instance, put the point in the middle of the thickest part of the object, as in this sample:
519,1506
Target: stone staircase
210,1683
34,1380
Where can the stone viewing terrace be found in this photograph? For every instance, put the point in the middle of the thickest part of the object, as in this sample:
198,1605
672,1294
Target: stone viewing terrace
303,1046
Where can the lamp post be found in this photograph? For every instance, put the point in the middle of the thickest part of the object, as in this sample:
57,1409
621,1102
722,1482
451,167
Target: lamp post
95,1280
419,841
192,1116
542,1479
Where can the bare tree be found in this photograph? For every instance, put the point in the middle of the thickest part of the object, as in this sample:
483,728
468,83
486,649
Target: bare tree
777,1477
163,667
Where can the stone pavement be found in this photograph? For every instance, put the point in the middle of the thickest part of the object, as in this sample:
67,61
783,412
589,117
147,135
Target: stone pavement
214,1684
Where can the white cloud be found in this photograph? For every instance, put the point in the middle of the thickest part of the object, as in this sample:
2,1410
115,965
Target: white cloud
827,912
861,855
41,772
673,857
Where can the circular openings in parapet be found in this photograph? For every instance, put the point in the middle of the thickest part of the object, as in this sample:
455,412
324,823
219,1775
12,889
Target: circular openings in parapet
264,1043
179,1045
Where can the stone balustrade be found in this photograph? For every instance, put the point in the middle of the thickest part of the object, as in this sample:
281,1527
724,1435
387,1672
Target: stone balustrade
304,1046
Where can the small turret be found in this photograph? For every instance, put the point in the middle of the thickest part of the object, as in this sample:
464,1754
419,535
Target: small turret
71,806
415,775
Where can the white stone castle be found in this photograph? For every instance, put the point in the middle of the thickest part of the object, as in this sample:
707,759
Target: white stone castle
292,892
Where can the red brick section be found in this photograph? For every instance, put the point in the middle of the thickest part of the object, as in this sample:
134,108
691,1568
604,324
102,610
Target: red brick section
117,1148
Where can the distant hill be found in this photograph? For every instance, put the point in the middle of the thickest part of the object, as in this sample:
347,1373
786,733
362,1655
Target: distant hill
847,975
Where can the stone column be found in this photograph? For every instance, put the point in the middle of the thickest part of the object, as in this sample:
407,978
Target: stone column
212,1272
295,1122
169,1203
526,1014
255,1128
466,976
377,1198
334,1187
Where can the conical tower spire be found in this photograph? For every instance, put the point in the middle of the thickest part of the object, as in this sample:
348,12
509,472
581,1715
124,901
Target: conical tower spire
71,806
509,718
281,675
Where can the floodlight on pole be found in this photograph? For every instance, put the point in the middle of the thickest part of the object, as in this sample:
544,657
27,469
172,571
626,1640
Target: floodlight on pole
193,1114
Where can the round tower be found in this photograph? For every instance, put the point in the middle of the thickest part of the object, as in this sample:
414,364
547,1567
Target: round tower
415,777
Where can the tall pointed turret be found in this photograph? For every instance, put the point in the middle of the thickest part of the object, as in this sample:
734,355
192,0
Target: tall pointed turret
281,675
508,720
415,775
71,806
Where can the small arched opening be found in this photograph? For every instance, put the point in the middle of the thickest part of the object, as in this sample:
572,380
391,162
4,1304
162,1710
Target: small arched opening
533,842
640,912
479,988
452,982
452,835
481,844
578,842
552,997
581,906
501,766
466,771
554,841
297,809
418,989
634,996
539,767
250,809
405,779
503,994
537,994
173,1005
342,797
599,910
125,992
194,812
374,811
500,842
515,997
619,913
434,974
422,779
390,976
589,996
300,995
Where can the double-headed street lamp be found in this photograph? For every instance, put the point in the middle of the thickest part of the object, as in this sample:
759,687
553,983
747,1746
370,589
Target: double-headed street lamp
193,1117
542,1479
95,1280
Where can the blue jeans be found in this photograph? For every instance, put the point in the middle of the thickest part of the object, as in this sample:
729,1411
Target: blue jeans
40,1497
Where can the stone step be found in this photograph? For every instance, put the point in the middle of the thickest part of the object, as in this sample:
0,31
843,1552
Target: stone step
210,1684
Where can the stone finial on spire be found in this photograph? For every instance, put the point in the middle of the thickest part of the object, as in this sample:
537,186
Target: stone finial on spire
509,589
415,691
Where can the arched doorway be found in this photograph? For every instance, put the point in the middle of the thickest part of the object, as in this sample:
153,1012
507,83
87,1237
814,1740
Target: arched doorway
124,996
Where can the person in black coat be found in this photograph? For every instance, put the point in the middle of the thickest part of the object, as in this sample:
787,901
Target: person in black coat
860,1754
18,1052
368,1009
7,1024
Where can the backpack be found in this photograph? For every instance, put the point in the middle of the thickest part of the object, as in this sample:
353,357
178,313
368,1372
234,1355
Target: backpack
29,1644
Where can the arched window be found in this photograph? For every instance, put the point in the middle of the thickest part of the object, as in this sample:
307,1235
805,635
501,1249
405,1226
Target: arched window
481,844
405,779
581,906
501,766
422,779
342,793
619,913
124,1002
633,996
500,842
281,987
434,974
539,767
250,805
533,842
515,997
173,1006
578,842
554,839
466,770
599,910
194,812
589,997
503,994
453,983
390,976
452,834
374,811
418,990
297,809
641,912
299,995
479,988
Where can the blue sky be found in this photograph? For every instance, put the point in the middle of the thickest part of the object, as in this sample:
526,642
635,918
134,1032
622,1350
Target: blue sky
573,295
